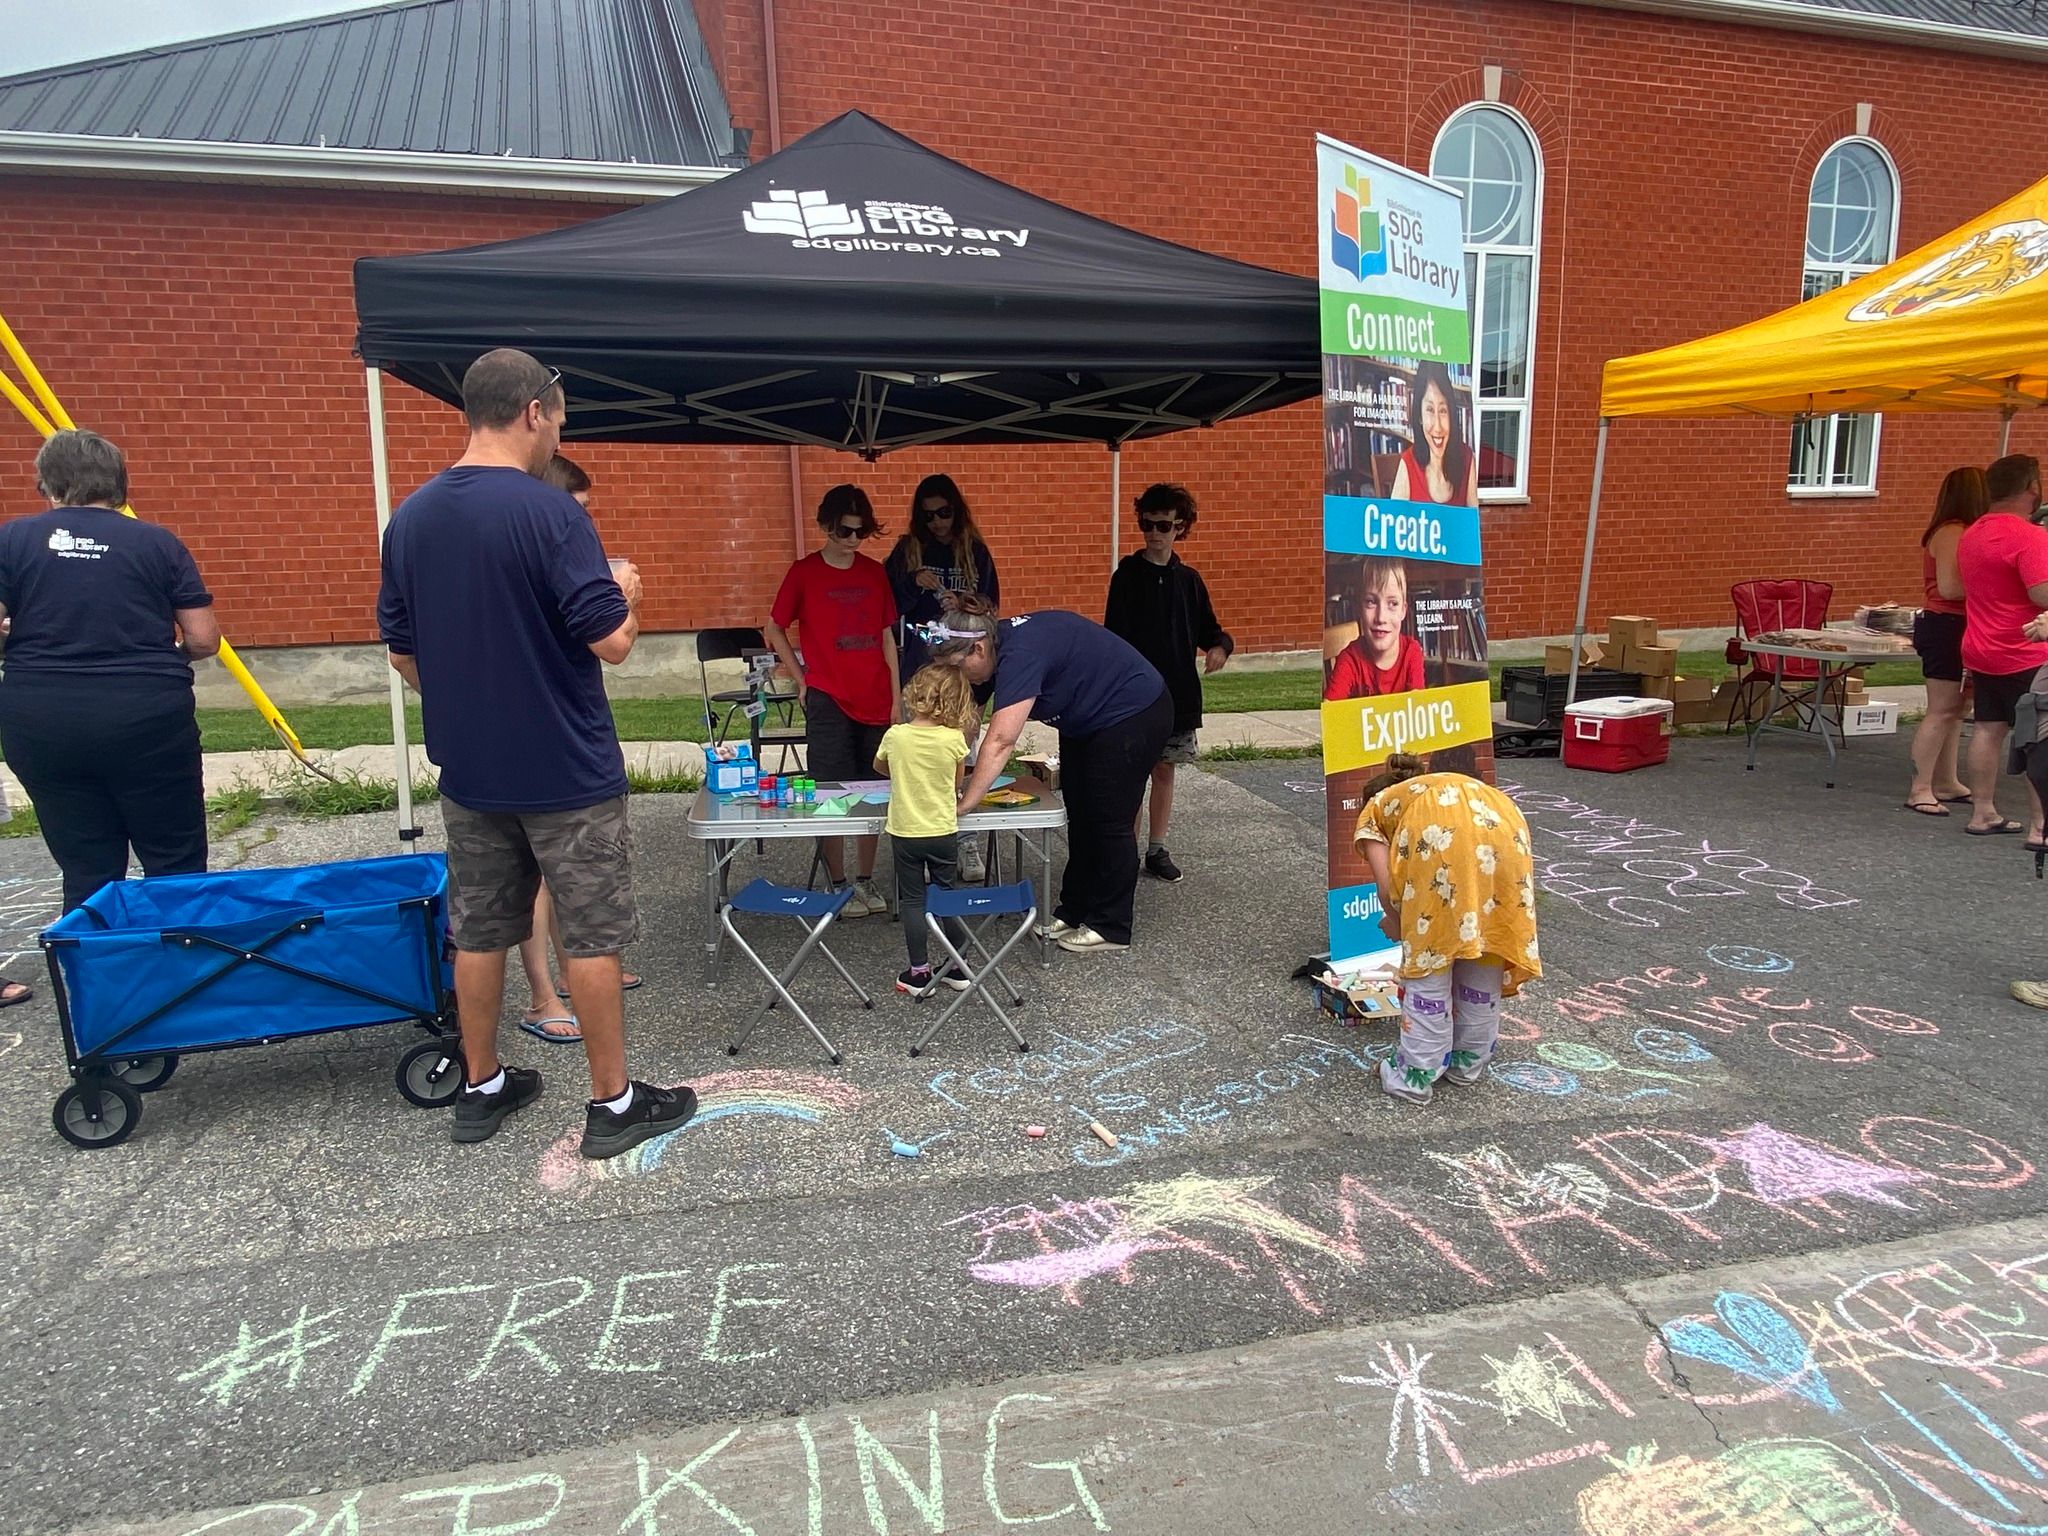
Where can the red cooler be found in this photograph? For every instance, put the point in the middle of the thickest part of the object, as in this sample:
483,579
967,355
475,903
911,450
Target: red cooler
1616,735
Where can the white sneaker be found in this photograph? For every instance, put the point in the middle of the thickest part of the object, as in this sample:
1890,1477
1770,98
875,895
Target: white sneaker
867,901
2033,993
1057,928
1086,941
973,867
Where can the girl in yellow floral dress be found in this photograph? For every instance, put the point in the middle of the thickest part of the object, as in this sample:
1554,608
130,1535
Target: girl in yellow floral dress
1450,855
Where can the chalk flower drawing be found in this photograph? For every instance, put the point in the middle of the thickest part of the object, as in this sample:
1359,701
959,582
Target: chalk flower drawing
801,1096
1528,1382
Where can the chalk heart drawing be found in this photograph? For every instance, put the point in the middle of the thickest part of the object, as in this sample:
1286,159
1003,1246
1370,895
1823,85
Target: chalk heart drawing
1752,1338
1743,957
1760,1488
802,1096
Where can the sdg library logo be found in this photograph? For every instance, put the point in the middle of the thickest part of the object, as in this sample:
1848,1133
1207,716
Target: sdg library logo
1356,243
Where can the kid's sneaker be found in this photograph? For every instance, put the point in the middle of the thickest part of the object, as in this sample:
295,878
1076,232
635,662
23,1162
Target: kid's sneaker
478,1115
918,981
653,1112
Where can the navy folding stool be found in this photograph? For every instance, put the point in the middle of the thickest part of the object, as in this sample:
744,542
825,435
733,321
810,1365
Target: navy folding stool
974,908
812,911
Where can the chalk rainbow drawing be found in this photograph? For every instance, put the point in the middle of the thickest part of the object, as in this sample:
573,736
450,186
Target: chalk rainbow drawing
801,1096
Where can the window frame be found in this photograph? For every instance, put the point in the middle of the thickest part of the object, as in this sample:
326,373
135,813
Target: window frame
1847,272
1518,493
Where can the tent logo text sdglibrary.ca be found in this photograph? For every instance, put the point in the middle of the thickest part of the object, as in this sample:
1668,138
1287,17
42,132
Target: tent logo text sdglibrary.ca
812,221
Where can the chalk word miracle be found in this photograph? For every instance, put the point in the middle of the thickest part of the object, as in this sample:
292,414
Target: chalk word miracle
1095,1082
1637,1191
1636,874
847,1473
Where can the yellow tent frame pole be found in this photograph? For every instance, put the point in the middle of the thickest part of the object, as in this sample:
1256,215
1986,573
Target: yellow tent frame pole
58,418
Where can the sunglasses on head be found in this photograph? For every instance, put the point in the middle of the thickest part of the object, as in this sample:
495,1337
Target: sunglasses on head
1158,524
554,378
852,531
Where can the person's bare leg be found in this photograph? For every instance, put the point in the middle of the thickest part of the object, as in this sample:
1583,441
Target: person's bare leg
834,850
1162,800
600,1004
864,851
2033,812
1986,758
1934,744
479,994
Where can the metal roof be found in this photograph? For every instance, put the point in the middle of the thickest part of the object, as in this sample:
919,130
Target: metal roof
601,81
2019,18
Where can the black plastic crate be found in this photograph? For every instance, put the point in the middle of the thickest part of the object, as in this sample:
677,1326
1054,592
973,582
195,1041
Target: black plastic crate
1535,697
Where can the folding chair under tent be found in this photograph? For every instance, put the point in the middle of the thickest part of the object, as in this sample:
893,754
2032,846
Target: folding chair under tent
1961,324
856,291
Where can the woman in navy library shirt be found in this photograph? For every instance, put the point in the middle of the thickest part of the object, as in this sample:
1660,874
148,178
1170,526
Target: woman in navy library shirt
106,615
1113,712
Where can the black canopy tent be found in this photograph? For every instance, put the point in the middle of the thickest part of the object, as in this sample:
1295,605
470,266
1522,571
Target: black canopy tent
855,291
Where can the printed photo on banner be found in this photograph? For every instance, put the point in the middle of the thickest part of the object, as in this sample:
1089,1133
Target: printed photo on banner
1400,429
1392,625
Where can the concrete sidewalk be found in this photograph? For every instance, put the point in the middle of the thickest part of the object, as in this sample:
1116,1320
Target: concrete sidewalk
1275,729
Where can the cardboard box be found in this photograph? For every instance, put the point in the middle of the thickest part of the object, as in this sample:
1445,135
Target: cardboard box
1625,630
1698,712
1042,766
1651,660
1748,706
1657,688
1874,719
1557,659
1692,690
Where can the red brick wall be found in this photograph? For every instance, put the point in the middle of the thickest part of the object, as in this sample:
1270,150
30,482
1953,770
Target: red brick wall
208,328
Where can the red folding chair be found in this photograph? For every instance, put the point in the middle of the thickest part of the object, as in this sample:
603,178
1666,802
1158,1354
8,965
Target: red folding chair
1786,602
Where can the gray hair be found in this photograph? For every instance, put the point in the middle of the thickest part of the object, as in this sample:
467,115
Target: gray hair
500,385
82,469
968,620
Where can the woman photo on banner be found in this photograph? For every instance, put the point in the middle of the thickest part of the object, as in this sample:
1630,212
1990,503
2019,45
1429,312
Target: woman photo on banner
1438,465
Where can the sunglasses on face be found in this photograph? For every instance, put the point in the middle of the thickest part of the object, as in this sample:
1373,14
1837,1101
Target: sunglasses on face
1158,524
853,531
939,514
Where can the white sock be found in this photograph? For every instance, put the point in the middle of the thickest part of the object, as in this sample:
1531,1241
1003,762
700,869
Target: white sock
495,1083
619,1105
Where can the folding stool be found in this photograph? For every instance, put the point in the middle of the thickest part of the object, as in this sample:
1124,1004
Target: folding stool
764,898
974,907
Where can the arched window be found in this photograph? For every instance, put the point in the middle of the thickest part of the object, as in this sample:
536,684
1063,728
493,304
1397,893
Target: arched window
1489,154
1852,227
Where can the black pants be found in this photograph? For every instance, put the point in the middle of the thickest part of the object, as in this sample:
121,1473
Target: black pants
1103,777
923,862
109,763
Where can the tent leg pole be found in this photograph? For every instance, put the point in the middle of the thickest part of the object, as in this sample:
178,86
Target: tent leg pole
380,475
1571,688
1116,498
2005,432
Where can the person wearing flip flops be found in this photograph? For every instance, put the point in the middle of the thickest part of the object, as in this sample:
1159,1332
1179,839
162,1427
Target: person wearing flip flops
2003,560
1938,637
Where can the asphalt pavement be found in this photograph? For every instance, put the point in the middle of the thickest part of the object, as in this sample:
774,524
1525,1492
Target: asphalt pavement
1772,1052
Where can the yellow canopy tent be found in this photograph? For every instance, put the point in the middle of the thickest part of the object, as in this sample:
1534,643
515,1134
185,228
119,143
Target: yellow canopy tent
1961,324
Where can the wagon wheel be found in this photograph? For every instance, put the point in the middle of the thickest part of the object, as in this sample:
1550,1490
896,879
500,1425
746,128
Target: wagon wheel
430,1074
145,1074
97,1112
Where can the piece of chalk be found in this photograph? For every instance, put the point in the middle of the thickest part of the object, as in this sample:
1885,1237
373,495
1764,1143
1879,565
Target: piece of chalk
1103,1133
1034,1131
903,1149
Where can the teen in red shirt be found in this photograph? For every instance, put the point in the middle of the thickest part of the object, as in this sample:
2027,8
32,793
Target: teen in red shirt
841,606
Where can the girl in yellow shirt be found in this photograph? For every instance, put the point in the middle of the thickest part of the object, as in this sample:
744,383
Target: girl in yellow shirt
1450,855
923,760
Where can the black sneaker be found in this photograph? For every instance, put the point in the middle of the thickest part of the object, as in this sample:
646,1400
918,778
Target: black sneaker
918,981
1160,866
653,1112
478,1115
952,976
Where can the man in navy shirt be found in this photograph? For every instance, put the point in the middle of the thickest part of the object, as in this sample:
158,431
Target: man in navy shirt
498,606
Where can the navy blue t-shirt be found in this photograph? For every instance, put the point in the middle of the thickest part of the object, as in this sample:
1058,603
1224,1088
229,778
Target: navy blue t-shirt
496,584
1083,678
91,591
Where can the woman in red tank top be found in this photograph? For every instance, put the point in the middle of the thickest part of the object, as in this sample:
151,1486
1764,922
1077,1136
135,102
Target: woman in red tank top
1938,637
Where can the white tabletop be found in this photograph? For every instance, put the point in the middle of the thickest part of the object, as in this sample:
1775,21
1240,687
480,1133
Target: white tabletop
733,818
1837,658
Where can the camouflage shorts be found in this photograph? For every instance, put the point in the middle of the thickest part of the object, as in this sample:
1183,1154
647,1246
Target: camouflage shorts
497,860
1179,748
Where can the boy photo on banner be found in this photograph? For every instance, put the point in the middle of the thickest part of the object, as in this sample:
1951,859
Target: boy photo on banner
1404,613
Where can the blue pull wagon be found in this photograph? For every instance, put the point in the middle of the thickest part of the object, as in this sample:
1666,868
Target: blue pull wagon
149,970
